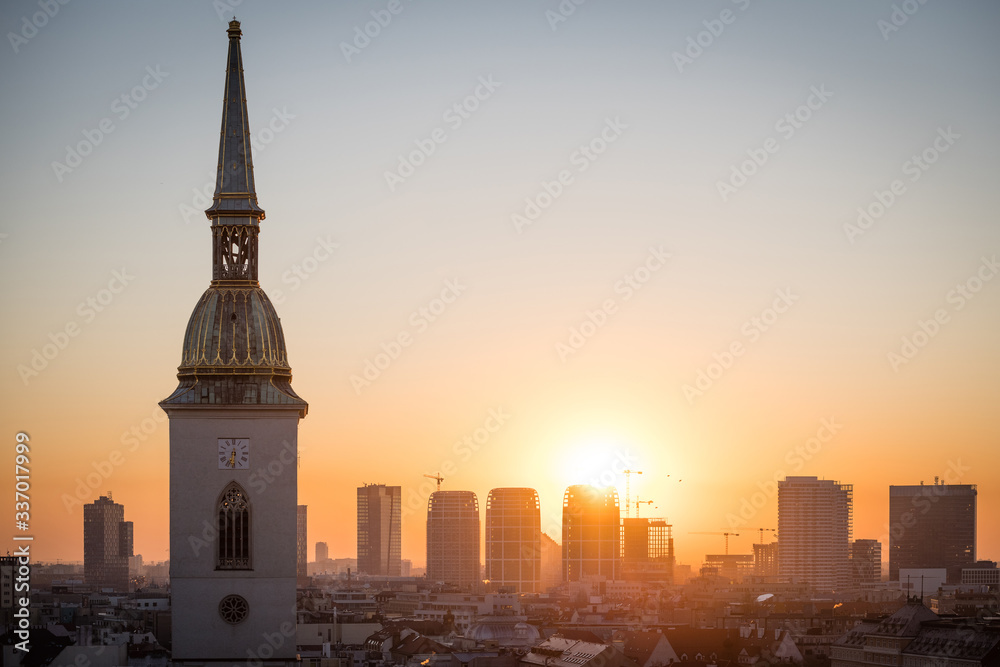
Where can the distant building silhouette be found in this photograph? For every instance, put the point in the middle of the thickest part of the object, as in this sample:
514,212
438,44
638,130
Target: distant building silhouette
453,538
591,532
107,544
551,562
932,526
513,540
866,562
765,559
379,529
647,550
322,551
733,567
814,531
301,546
8,573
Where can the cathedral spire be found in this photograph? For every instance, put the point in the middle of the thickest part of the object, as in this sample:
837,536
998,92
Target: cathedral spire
234,348
234,212
234,187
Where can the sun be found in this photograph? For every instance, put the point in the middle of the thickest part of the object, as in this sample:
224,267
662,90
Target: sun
598,460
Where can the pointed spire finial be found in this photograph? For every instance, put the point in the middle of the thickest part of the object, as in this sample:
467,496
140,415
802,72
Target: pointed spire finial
234,212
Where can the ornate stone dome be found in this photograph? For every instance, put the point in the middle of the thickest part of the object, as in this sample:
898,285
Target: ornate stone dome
234,352
234,329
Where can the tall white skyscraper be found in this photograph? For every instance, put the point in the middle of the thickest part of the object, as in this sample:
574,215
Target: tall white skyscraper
814,531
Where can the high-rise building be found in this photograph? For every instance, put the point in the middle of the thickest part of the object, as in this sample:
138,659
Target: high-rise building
765,559
591,533
453,538
814,531
233,543
107,544
513,540
932,526
8,574
647,550
866,562
379,529
322,551
301,545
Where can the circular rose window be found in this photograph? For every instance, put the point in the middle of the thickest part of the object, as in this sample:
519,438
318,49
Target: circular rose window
234,609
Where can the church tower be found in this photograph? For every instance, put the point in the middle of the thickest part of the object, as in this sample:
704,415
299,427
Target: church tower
233,436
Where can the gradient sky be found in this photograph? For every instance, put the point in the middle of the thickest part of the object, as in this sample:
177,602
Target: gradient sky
338,126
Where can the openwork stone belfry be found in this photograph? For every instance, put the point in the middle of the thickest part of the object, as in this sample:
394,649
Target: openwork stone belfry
233,435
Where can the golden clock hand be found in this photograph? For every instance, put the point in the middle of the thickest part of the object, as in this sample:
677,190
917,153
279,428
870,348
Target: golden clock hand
232,460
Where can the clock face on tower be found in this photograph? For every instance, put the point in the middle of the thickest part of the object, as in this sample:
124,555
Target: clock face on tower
234,453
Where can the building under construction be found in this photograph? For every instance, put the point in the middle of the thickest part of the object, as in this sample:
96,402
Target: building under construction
647,550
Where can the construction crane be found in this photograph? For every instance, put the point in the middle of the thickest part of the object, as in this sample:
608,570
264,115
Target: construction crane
761,531
726,534
628,476
641,502
437,477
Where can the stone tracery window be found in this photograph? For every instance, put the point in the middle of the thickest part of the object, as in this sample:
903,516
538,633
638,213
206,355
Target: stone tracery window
234,529
234,609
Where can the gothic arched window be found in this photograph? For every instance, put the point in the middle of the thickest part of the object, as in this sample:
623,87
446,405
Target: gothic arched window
234,529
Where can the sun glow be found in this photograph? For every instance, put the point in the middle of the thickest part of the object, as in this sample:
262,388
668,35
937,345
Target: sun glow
597,460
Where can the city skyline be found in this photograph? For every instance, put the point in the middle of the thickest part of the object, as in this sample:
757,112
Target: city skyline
581,275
